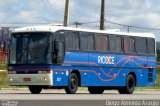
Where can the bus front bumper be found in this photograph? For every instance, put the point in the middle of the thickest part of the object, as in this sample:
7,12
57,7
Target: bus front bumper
30,79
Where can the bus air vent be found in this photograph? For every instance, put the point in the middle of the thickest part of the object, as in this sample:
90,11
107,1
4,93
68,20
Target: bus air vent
150,75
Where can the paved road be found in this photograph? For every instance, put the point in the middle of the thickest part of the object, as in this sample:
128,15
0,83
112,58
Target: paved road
81,95
82,98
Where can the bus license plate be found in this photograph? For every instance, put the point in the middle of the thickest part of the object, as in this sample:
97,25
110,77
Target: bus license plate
26,79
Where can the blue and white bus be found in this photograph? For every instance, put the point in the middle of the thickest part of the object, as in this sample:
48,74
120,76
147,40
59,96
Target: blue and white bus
56,57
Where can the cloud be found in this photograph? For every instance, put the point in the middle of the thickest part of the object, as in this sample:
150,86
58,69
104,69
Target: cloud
122,11
22,11
143,13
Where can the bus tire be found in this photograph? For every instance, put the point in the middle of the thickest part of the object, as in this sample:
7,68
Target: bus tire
130,85
96,90
72,84
35,89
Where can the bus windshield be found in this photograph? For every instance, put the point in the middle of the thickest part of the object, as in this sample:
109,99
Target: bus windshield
30,48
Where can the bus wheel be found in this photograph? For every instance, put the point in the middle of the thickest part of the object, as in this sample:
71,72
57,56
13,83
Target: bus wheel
35,89
95,90
130,85
72,84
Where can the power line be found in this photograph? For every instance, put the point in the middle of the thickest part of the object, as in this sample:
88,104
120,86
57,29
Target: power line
108,21
15,25
82,23
130,26
73,23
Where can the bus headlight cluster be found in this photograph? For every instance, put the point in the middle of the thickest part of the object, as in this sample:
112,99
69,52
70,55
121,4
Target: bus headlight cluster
43,72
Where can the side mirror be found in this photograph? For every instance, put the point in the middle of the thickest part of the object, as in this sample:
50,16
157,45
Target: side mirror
58,52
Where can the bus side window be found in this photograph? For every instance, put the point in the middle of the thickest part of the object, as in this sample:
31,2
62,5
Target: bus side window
90,43
151,46
101,43
128,45
86,42
112,44
68,40
104,43
72,40
115,44
75,40
98,43
141,45
118,44
83,42
132,45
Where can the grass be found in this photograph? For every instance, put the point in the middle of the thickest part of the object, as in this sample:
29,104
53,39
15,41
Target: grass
3,66
158,78
4,82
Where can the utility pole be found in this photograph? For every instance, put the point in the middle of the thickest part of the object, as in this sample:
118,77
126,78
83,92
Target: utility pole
102,15
66,13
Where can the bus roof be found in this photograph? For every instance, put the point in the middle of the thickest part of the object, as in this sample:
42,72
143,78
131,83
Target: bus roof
51,28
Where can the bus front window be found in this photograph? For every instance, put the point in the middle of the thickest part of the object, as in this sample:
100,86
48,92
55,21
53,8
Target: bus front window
31,48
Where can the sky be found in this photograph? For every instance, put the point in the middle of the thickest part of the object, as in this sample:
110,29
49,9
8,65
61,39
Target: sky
141,13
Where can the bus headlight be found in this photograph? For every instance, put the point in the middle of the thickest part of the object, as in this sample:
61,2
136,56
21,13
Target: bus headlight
45,79
10,79
12,72
43,72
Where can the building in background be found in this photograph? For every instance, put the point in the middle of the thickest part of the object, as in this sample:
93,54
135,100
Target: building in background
4,43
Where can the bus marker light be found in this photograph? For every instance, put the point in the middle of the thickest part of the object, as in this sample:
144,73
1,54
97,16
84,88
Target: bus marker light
55,72
67,73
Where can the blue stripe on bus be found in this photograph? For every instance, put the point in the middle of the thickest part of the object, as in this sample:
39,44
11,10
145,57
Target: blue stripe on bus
102,72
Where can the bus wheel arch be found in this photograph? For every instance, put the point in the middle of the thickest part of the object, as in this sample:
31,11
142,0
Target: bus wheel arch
73,83
134,75
78,75
130,84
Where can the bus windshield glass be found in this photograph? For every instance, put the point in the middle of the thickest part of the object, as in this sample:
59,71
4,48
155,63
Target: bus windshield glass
30,48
